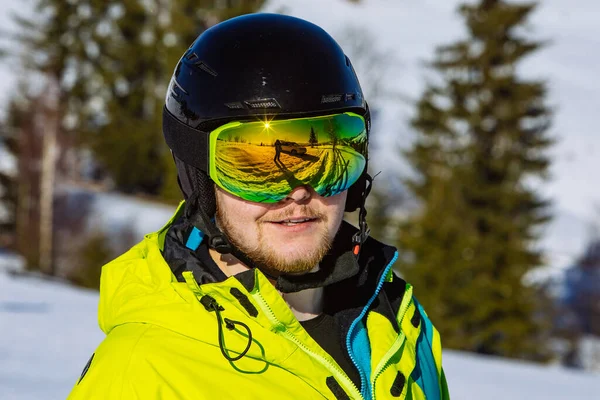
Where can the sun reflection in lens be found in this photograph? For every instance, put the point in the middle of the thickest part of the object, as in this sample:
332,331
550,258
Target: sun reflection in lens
267,126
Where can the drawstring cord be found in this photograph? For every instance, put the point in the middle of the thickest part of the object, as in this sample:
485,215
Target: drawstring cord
211,305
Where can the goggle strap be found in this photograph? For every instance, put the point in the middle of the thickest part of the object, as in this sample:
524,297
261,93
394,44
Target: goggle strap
188,144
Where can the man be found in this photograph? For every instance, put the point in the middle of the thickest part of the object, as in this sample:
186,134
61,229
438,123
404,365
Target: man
256,288
277,151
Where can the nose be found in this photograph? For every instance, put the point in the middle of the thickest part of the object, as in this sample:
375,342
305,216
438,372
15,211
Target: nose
300,194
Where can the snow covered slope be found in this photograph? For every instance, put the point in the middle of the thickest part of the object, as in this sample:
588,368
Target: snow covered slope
47,333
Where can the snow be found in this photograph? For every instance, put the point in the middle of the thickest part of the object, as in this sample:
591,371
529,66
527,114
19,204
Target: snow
11,262
589,354
477,377
114,211
49,331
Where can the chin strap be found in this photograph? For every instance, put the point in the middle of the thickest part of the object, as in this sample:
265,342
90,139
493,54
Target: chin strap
198,217
361,236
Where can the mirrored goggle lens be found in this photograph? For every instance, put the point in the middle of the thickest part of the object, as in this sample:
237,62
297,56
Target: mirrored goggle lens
264,161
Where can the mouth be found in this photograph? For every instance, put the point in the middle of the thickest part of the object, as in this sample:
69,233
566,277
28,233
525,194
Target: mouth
295,221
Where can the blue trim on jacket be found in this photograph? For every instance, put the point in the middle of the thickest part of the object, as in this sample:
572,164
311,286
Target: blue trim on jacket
425,372
357,340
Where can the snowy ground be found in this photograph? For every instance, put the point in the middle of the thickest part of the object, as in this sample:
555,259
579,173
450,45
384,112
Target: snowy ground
48,331
114,211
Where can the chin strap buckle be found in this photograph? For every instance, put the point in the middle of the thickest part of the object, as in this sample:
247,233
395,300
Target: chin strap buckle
360,237
197,216
220,243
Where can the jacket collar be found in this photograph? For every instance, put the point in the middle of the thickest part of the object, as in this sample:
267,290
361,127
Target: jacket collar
339,265
140,287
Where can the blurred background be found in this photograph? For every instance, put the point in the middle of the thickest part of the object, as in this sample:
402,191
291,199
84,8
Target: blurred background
484,144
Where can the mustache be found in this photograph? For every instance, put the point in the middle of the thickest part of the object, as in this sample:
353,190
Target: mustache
303,210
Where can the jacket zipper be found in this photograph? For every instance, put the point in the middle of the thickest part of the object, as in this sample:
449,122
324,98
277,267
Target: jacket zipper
280,328
388,355
360,317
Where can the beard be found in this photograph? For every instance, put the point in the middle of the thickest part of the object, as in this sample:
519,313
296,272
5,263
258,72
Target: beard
266,256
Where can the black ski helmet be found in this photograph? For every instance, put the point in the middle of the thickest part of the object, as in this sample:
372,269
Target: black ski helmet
248,66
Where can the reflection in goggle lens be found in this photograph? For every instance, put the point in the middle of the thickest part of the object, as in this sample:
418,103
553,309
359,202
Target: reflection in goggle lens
263,161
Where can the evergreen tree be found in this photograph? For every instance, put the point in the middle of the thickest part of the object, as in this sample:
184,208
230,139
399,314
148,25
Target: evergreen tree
482,132
379,212
114,60
146,58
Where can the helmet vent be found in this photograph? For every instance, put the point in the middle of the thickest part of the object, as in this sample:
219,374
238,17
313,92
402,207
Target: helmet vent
234,106
204,67
176,84
262,103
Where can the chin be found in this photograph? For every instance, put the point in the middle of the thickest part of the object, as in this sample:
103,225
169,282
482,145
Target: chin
300,253
298,246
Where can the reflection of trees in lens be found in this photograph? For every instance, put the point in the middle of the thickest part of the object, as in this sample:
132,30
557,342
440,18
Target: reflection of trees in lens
338,175
312,138
332,129
234,139
358,143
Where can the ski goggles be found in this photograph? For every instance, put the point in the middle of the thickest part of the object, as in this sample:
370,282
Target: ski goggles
263,161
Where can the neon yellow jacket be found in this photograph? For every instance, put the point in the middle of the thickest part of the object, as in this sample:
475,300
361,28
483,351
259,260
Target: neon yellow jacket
163,343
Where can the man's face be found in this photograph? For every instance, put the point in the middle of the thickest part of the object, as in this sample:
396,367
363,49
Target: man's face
290,236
